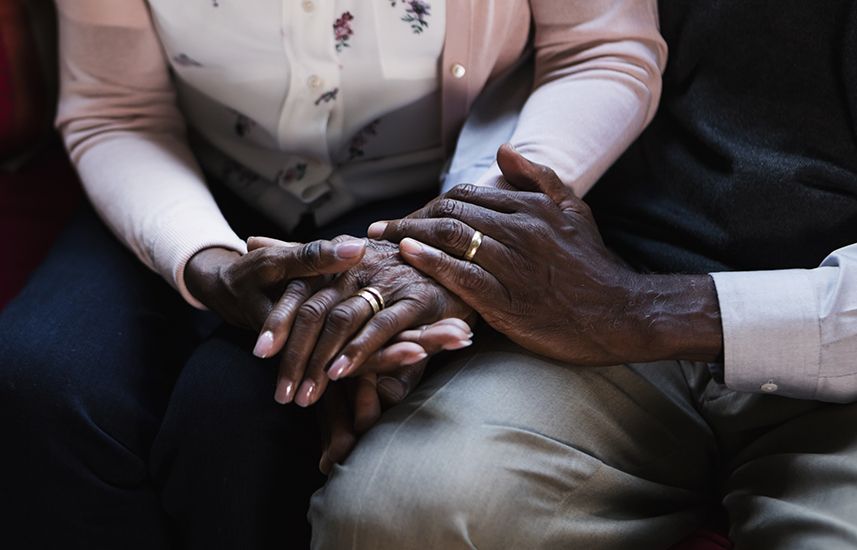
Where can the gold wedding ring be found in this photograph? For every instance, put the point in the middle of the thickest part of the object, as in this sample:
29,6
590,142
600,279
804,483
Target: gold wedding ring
373,296
475,243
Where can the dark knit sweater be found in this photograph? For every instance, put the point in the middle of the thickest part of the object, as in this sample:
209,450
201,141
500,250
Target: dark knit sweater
751,161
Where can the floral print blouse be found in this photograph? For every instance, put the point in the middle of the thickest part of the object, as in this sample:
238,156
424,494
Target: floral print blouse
315,105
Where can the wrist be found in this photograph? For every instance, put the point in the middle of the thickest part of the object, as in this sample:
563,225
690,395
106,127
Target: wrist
677,317
203,271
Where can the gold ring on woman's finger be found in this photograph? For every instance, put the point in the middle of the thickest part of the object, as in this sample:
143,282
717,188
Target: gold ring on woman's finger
475,243
376,293
373,297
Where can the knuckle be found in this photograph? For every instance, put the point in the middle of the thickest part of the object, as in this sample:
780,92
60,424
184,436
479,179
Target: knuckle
267,264
312,311
451,232
543,201
545,172
309,255
276,318
341,317
298,288
446,208
462,191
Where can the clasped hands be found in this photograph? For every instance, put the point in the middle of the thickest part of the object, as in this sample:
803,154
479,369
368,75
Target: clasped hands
541,275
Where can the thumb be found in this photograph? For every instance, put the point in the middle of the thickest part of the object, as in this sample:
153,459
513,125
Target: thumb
254,243
529,176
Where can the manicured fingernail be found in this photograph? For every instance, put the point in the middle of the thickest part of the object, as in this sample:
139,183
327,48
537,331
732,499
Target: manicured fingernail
283,395
338,368
410,246
305,394
415,358
350,249
461,344
376,229
264,345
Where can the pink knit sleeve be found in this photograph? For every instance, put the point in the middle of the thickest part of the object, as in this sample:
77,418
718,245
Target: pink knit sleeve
597,85
118,117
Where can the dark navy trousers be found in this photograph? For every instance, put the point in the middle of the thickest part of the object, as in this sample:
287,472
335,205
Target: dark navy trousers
131,420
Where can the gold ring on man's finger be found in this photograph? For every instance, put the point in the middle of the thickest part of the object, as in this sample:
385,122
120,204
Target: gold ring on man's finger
475,243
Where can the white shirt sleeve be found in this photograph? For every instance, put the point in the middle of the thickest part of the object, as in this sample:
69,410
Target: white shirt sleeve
792,332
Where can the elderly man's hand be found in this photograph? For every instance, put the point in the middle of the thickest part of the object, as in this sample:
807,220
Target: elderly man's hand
244,289
543,276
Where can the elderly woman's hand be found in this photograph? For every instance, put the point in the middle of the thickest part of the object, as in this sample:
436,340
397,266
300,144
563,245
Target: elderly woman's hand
353,405
327,332
542,274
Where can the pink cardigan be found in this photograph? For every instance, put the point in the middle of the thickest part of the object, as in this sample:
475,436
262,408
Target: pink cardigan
598,66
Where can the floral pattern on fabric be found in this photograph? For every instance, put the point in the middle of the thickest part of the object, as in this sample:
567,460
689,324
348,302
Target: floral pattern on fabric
292,173
327,96
342,31
237,174
243,124
417,13
356,148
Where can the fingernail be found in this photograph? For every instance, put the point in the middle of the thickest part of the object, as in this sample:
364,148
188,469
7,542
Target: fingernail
461,344
339,367
410,246
283,395
376,229
415,358
324,463
305,394
350,249
264,345
394,389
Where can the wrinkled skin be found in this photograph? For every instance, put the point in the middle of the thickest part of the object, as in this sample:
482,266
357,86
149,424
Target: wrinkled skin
544,278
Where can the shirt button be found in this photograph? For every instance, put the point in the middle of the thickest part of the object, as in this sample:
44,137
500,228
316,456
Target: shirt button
308,6
458,70
769,387
314,82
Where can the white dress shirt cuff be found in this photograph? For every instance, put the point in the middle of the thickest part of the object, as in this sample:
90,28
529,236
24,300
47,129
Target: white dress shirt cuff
771,331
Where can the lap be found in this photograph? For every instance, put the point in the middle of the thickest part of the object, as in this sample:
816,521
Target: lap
503,448
88,355
791,467
124,402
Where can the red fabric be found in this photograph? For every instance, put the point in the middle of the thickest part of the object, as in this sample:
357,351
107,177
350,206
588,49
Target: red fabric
25,111
35,203
6,108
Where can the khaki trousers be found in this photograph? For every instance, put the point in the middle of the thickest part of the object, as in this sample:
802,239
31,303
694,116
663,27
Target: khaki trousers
500,448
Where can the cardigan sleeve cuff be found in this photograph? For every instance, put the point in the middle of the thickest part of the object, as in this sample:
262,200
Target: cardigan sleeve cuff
178,242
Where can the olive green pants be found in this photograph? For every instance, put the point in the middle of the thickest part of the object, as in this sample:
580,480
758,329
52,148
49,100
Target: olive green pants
500,448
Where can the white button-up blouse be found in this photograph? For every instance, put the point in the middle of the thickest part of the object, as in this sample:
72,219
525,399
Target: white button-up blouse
292,101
